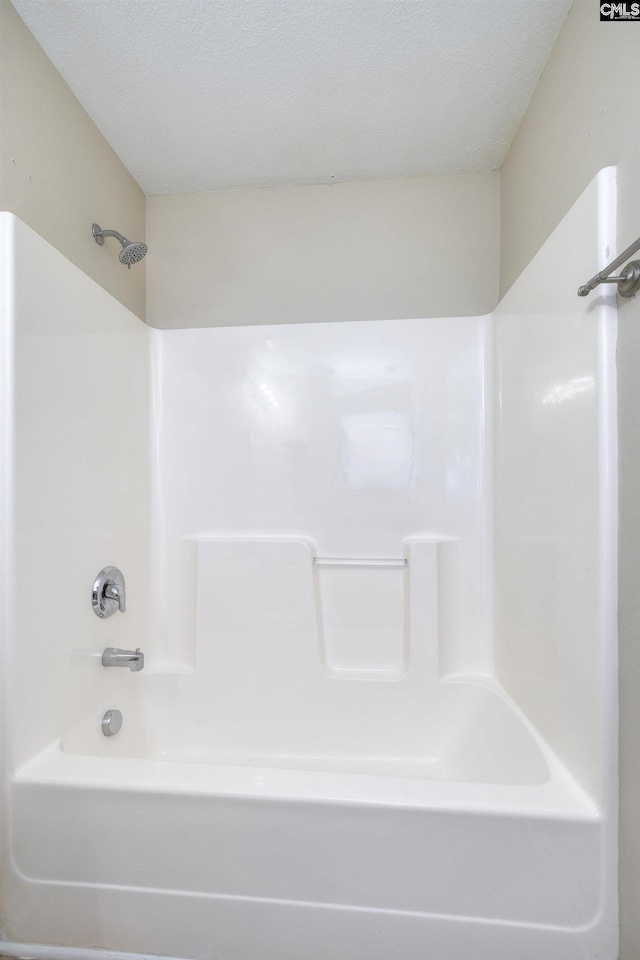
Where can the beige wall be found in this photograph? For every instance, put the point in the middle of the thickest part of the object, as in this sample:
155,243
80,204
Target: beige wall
583,116
419,247
57,172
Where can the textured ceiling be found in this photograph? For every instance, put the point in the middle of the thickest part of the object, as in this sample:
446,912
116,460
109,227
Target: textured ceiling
202,94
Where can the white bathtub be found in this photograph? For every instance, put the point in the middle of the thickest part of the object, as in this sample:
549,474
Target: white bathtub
280,858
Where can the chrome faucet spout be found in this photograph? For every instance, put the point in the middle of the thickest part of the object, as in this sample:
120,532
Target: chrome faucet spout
133,659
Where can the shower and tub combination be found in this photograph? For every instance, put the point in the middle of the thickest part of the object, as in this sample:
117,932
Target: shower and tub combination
369,571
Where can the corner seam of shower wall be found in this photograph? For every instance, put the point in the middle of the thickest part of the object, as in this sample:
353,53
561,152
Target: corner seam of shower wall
609,523
155,536
488,491
7,313
7,593
172,559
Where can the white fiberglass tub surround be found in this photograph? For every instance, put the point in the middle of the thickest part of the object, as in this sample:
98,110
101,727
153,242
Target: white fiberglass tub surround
374,585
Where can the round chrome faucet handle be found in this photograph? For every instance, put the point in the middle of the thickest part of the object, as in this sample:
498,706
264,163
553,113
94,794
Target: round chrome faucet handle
115,591
109,593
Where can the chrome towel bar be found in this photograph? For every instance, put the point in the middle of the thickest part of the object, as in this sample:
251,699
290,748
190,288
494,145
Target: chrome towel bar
353,562
628,281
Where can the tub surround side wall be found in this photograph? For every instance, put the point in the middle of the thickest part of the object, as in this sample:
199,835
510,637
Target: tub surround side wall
555,476
57,172
372,250
78,483
582,117
555,505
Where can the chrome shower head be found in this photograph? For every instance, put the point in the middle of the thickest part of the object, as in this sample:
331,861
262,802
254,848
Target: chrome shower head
132,251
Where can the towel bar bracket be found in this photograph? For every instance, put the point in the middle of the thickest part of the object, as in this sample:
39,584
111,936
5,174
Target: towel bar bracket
629,279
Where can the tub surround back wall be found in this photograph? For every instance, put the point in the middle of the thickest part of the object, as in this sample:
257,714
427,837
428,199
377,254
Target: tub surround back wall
372,250
57,172
361,442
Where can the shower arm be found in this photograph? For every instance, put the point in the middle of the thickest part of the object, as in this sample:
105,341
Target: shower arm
99,236
629,279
